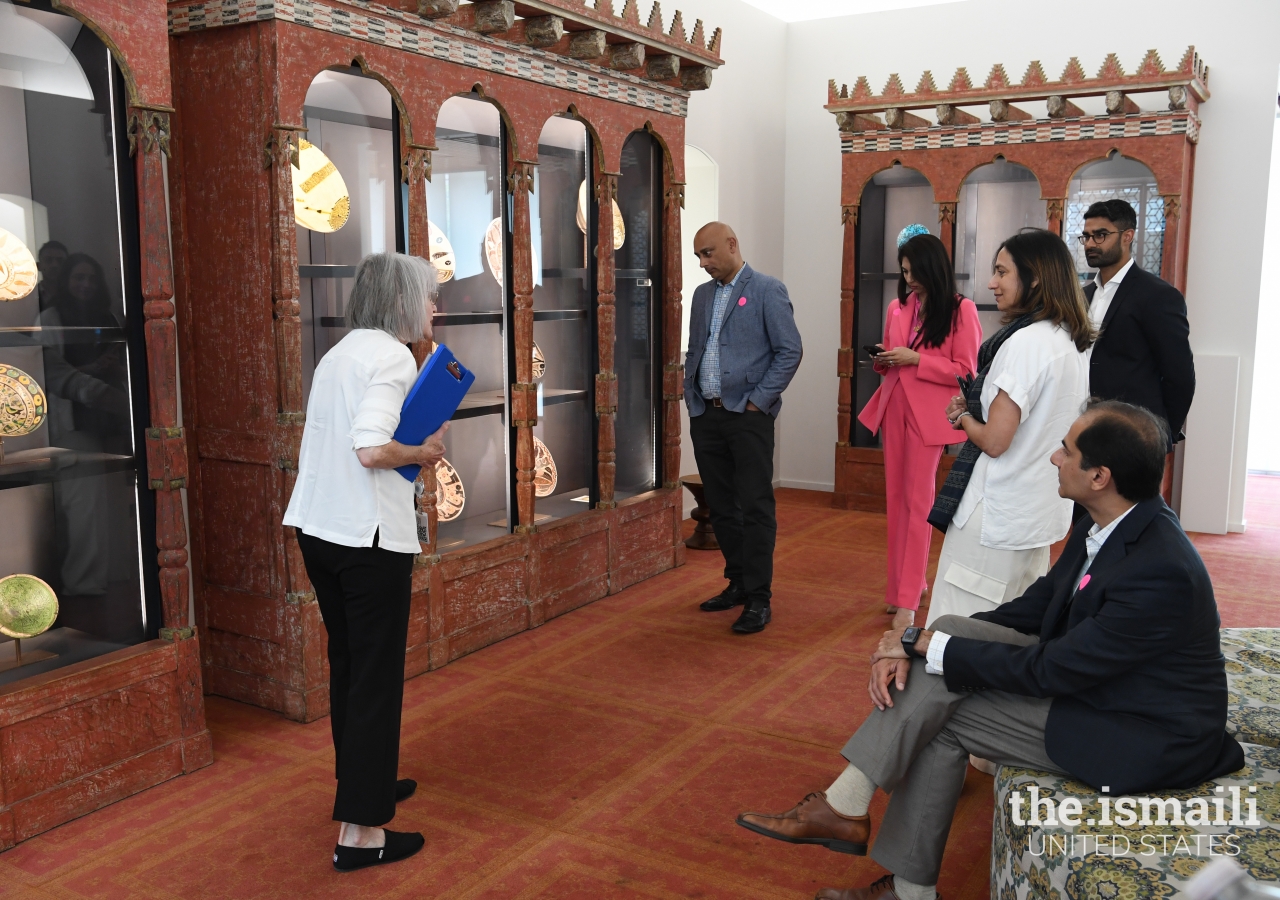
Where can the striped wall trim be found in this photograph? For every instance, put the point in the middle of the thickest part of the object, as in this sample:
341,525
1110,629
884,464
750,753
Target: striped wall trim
1039,131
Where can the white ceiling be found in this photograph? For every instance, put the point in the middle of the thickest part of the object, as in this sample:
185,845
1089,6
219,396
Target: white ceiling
803,10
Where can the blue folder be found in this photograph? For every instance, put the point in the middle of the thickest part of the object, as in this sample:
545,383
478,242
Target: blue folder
432,401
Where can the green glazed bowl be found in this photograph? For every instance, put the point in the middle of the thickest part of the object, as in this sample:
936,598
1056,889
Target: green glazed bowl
28,606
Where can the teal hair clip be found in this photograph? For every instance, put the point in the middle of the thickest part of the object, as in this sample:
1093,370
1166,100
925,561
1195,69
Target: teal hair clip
909,232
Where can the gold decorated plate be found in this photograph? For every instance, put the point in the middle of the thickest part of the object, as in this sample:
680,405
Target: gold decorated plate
23,407
450,495
539,363
441,253
17,268
320,198
544,470
28,606
619,227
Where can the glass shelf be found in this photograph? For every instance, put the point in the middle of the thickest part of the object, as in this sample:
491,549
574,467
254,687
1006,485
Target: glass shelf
45,465
30,336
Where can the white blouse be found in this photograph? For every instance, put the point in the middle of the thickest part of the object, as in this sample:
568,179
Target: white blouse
1041,370
356,395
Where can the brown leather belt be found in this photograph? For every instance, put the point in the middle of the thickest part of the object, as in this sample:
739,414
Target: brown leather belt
716,401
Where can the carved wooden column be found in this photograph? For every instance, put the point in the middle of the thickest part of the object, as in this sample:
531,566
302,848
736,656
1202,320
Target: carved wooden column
1174,240
672,370
524,393
606,378
166,443
1054,210
415,170
847,356
947,226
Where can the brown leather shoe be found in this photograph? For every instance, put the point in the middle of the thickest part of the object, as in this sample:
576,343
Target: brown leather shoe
813,821
880,889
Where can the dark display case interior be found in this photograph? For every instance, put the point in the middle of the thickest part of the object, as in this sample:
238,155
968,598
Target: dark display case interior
75,505
637,345
892,200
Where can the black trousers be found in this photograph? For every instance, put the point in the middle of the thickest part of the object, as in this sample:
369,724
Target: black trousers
734,452
363,593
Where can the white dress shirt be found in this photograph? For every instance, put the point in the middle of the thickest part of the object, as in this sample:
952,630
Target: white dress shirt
1041,370
1092,544
1105,293
356,395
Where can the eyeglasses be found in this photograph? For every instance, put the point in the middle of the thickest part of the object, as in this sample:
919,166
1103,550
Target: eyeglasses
1096,237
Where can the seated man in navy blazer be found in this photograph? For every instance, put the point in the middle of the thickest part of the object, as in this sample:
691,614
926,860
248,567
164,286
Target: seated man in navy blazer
743,350
1107,669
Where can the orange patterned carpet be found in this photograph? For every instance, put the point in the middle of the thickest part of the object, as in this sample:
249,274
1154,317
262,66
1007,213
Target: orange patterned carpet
602,756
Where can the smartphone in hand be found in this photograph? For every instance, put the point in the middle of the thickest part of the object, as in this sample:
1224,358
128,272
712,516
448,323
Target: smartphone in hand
873,350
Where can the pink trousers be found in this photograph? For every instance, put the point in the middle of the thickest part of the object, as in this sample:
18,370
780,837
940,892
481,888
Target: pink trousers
910,468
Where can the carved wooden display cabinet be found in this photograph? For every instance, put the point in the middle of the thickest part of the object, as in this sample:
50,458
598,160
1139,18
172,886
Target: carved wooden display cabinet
973,181
460,113
91,501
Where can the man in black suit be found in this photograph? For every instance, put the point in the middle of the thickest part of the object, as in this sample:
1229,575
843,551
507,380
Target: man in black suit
1142,355
1107,669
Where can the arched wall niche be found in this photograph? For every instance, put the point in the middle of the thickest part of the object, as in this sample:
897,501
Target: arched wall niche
890,199
996,200
1124,178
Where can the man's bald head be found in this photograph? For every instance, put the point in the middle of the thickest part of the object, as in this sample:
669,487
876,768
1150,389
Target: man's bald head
716,247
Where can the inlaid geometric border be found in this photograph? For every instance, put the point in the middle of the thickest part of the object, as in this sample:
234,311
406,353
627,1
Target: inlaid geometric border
1040,131
444,42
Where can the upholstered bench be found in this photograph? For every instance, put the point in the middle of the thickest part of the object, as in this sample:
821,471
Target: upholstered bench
1089,861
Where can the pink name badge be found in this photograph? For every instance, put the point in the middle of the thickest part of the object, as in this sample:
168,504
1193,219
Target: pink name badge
1084,582
742,301
897,312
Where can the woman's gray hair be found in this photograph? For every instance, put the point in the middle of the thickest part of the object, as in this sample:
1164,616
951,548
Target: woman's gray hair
391,293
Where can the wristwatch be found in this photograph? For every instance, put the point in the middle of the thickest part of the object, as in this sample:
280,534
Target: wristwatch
909,638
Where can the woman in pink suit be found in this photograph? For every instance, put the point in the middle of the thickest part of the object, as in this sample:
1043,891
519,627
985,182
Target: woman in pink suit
931,335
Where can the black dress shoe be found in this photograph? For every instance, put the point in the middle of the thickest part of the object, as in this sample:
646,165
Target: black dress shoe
405,788
730,597
752,620
399,845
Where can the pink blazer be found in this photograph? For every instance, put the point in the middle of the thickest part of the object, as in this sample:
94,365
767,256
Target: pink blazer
929,386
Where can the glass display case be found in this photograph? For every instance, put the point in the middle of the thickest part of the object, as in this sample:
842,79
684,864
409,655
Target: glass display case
637,344
466,203
79,518
893,199
1119,178
996,200
348,172
561,217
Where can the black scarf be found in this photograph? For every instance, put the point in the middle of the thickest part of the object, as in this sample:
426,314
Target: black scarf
948,499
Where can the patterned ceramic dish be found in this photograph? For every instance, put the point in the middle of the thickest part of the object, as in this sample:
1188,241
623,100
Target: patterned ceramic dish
320,199
17,268
28,606
23,406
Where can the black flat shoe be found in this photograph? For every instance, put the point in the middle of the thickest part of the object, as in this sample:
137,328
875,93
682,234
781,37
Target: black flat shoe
405,788
730,597
400,845
752,620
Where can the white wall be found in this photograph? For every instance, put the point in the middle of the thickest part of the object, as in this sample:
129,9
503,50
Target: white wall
748,125
1264,424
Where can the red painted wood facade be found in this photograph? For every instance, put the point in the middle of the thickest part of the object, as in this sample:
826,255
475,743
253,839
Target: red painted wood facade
1054,149
80,737
240,87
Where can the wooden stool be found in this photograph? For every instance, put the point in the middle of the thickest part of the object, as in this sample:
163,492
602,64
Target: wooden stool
703,537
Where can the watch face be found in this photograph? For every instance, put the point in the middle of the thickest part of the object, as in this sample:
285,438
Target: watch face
911,635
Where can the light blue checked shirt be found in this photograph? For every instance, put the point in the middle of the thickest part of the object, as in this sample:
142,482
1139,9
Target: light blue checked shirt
709,370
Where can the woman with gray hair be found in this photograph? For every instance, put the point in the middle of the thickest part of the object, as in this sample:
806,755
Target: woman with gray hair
357,528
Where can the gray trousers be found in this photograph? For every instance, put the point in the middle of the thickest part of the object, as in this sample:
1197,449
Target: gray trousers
917,751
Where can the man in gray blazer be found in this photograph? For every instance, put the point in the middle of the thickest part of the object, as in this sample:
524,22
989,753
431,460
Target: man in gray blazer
743,351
